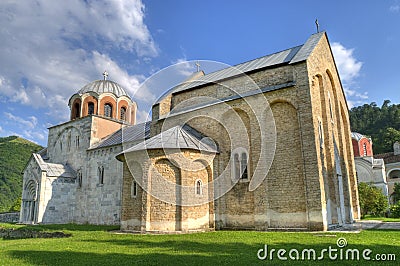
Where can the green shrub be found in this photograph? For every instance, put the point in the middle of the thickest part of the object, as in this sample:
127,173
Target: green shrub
372,200
395,210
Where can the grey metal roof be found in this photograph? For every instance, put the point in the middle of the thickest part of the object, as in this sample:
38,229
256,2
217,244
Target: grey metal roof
102,86
307,48
262,62
357,136
178,137
289,56
54,169
125,134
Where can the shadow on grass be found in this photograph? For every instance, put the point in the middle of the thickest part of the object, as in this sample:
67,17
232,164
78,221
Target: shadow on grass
196,253
58,227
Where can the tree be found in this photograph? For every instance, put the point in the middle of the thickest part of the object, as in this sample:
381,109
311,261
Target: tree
372,200
17,205
382,124
395,197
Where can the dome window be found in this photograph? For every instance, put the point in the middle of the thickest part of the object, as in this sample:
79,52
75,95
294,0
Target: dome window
77,110
123,113
90,108
108,110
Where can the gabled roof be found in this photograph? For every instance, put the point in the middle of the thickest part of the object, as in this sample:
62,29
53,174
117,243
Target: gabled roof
178,137
290,56
126,134
54,169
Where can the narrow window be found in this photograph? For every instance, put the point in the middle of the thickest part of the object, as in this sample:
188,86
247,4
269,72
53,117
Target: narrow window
79,174
134,189
365,149
108,110
77,141
101,174
69,142
320,134
90,108
330,108
77,110
123,113
199,185
236,164
244,166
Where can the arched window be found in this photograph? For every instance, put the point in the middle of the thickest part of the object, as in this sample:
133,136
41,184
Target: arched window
90,108
243,165
320,134
198,187
236,164
77,110
394,174
100,172
123,113
79,175
134,189
240,169
69,141
108,110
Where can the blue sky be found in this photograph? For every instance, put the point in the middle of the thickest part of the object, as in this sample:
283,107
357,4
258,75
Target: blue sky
50,49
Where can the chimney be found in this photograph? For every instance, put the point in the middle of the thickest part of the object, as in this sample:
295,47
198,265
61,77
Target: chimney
396,148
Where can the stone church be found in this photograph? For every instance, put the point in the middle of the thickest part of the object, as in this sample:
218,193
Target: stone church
261,145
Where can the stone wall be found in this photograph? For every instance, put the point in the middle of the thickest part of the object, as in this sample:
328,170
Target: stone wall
313,161
167,199
9,217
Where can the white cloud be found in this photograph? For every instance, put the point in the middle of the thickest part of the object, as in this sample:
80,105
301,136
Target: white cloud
30,123
142,116
50,49
349,69
129,82
348,66
184,67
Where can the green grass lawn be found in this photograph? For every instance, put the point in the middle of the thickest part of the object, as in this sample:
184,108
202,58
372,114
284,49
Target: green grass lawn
95,245
383,219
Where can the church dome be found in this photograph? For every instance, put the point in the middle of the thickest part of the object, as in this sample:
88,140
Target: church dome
357,136
102,86
95,99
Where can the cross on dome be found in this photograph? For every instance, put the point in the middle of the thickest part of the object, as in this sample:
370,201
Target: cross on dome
105,75
197,66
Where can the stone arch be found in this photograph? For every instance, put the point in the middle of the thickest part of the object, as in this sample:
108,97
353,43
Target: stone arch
85,106
208,191
166,216
230,117
327,161
29,201
60,134
394,174
285,181
364,172
76,108
123,104
349,167
111,101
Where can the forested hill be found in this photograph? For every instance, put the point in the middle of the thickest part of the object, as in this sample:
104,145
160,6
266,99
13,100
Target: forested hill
382,124
14,154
